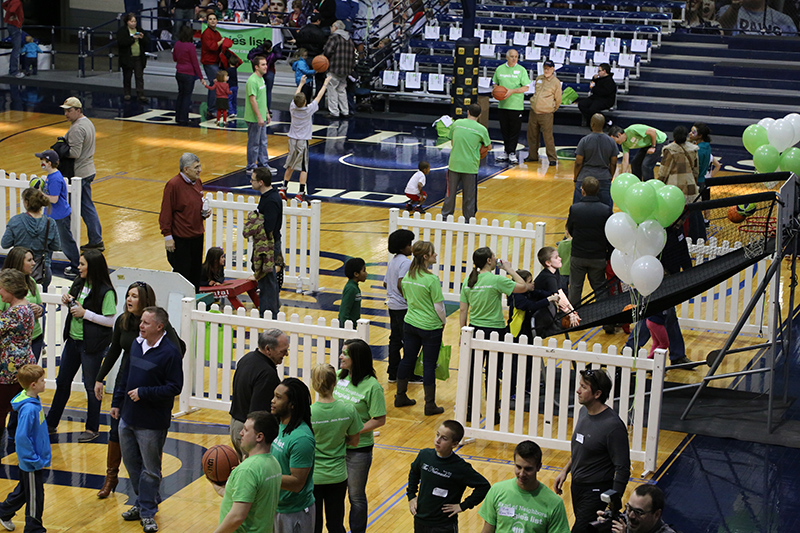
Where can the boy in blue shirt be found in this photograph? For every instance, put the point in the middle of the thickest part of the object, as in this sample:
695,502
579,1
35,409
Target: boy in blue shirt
33,452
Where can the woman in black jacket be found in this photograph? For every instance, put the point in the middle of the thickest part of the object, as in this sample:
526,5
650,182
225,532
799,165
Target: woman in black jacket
132,43
92,304
140,296
603,93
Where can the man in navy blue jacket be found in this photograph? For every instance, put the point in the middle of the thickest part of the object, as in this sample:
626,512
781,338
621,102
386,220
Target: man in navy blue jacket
154,377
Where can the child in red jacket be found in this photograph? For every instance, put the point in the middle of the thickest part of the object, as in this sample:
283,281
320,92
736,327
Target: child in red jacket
223,91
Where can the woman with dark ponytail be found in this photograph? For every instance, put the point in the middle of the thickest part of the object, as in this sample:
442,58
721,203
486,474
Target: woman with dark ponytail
481,299
424,324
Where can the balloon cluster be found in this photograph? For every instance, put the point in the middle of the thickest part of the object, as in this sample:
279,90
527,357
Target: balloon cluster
637,233
771,142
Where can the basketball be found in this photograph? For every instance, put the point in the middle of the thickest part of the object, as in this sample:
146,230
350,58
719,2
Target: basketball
484,151
218,462
746,209
499,92
37,183
320,63
734,215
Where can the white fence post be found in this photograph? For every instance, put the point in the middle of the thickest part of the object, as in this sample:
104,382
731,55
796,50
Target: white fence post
75,200
187,306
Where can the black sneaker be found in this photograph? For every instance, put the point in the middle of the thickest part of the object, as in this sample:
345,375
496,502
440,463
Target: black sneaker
88,436
392,379
415,379
131,514
149,525
682,361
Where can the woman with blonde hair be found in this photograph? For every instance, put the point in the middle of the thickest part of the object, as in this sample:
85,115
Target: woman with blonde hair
424,324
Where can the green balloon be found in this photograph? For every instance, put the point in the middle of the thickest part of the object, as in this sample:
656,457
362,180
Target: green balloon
640,200
754,137
655,184
790,160
619,186
669,206
766,159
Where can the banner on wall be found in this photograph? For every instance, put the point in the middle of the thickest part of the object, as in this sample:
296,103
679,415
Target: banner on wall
245,38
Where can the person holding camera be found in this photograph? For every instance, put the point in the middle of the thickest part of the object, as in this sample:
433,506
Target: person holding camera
642,513
132,43
601,457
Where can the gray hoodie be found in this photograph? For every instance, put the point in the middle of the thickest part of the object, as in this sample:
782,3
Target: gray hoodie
25,230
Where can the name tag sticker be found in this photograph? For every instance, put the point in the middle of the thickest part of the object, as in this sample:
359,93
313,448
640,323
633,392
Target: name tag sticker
579,437
343,382
442,493
505,511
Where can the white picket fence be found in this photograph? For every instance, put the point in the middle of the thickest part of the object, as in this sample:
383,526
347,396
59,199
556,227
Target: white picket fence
456,240
11,187
300,233
553,429
720,307
208,363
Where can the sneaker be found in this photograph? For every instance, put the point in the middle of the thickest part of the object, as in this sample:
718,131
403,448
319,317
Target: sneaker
70,273
282,192
131,514
682,361
502,156
127,98
7,523
415,379
531,159
392,379
231,115
19,75
301,197
52,430
149,525
512,158
553,163
88,436
273,171
98,246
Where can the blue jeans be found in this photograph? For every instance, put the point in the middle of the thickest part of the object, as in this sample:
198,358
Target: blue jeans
16,46
211,74
358,463
184,101
68,245
677,347
73,357
181,17
604,193
429,341
89,212
141,452
269,80
257,155
232,101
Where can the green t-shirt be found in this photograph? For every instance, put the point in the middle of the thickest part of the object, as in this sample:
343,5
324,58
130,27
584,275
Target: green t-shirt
565,253
332,423
295,450
33,298
109,309
511,78
637,138
509,508
368,399
468,136
421,292
255,87
257,481
350,308
485,299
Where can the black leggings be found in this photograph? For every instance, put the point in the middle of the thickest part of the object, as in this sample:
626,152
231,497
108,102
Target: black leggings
332,497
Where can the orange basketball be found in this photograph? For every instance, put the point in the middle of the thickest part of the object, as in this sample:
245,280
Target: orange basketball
499,92
320,63
565,322
734,215
484,151
218,462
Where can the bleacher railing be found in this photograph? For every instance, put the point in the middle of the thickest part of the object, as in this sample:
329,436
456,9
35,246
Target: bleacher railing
300,234
215,341
11,187
456,240
553,412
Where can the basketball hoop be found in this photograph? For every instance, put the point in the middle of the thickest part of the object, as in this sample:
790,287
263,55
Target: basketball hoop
758,229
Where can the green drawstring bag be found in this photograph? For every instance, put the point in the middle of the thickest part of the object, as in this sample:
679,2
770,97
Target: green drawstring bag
442,364
568,96
444,125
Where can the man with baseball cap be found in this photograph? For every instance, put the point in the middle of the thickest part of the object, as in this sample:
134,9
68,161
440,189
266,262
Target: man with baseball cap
81,140
55,188
544,103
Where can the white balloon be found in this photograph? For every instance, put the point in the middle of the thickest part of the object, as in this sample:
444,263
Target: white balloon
781,134
794,120
766,122
621,232
621,263
647,274
650,238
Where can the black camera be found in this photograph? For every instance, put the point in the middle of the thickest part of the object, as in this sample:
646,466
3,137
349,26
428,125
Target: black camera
613,502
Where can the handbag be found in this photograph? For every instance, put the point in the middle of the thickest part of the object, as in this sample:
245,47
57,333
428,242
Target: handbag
442,363
40,266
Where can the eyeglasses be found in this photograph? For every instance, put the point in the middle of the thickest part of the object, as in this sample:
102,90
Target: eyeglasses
638,513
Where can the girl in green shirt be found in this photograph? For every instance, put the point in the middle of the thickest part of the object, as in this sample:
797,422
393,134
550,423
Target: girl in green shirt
481,301
424,324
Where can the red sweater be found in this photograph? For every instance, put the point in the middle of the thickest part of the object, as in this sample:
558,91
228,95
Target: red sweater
222,89
209,49
181,208
14,14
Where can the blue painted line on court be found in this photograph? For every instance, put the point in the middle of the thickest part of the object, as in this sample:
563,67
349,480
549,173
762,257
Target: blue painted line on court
398,500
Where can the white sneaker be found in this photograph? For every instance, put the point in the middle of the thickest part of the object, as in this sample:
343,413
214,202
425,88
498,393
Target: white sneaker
18,75
512,158
502,156
8,524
